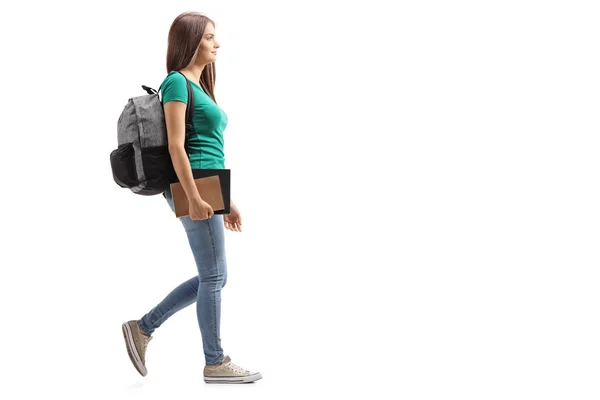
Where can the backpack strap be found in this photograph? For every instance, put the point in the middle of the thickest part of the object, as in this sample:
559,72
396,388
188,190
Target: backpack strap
189,109
189,113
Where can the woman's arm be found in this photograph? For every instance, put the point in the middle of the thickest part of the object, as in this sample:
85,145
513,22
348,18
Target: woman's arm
175,121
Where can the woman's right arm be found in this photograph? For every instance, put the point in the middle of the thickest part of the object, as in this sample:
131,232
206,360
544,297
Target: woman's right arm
175,121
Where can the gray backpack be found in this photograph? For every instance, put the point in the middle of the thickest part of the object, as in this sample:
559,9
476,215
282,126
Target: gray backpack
142,162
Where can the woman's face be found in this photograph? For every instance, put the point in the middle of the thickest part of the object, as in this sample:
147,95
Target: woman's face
207,52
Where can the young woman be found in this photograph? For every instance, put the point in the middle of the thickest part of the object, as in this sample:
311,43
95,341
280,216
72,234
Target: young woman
191,54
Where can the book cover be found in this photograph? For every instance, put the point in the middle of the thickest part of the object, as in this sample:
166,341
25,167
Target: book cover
209,189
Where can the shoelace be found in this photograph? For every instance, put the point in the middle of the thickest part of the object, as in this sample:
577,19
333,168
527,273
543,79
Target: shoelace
145,341
237,369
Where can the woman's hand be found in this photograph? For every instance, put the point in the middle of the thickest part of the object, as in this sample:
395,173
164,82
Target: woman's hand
200,209
233,220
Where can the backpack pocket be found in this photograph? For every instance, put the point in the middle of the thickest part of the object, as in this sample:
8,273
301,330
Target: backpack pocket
158,167
122,162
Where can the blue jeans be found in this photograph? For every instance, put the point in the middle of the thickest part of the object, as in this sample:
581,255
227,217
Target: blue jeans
207,241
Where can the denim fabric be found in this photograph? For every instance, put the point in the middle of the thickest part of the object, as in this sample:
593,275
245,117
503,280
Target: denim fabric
207,242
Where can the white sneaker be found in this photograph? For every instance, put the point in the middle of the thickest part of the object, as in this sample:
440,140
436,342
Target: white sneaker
228,372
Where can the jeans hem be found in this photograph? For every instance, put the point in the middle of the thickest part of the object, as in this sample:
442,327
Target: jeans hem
143,328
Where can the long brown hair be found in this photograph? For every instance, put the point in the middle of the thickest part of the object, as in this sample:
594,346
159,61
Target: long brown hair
185,35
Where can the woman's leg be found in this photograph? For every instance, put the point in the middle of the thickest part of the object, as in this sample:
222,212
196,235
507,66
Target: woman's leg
207,242
180,297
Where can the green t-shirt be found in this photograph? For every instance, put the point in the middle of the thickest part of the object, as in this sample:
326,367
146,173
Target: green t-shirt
205,142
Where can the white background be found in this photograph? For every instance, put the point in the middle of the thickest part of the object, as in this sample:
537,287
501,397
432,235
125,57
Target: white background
418,183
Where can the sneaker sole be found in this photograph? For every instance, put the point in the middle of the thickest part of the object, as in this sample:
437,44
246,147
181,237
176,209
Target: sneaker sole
232,379
134,356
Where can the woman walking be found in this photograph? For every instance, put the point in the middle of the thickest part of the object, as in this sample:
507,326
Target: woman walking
191,54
